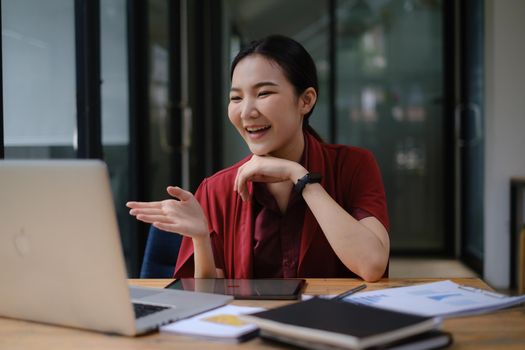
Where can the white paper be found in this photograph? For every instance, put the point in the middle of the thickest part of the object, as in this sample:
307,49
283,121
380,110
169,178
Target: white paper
445,299
205,325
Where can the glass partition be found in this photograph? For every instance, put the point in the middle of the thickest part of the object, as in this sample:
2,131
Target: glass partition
115,114
247,20
389,100
39,86
389,95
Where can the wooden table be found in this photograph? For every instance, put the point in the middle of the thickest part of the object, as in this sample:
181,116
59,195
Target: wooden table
504,329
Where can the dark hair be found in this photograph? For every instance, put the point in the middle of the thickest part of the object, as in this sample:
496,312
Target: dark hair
295,62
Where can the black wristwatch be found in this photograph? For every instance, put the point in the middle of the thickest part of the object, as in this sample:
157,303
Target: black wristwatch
305,180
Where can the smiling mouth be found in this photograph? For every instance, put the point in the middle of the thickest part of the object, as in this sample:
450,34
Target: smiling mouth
257,129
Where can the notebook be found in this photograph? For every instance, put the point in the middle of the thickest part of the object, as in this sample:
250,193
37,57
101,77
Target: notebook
61,259
222,324
333,324
435,339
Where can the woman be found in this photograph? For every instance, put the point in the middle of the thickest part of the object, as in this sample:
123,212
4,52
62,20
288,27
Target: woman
296,207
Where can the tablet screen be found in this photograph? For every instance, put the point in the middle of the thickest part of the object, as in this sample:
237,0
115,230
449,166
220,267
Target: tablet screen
265,288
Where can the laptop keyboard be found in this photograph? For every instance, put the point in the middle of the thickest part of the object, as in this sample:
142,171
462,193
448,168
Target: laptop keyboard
142,310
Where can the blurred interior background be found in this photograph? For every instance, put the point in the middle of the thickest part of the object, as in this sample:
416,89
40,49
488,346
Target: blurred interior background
429,86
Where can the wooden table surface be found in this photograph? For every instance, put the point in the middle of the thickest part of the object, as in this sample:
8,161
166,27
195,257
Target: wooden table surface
504,329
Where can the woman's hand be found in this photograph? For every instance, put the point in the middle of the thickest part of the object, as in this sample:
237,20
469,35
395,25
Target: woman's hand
266,169
182,215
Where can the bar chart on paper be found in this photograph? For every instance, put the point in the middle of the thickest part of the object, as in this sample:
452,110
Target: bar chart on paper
444,298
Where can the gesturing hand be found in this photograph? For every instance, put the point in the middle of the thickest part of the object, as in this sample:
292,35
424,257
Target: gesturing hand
266,169
182,215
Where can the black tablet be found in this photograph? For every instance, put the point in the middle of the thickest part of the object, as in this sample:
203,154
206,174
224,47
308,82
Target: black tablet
264,288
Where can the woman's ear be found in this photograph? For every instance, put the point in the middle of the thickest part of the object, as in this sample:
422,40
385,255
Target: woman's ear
307,100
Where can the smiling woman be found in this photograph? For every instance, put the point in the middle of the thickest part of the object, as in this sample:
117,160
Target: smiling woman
296,207
265,109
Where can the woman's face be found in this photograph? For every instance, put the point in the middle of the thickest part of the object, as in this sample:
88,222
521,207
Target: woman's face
265,109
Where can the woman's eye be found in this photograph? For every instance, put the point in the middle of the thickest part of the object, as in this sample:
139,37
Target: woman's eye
235,98
265,93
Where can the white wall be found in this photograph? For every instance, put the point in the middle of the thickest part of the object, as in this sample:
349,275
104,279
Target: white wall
505,127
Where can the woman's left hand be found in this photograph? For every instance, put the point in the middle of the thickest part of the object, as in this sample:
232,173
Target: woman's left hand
266,169
182,215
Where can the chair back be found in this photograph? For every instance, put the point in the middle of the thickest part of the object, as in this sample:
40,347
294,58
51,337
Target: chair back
160,254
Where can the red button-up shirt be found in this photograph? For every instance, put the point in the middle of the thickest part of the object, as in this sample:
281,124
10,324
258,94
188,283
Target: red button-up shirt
349,174
277,236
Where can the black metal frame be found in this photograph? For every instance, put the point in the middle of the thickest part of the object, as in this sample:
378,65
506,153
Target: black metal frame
205,72
517,193
175,110
471,45
215,113
449,101
198,96
88,79
2,154
137,13
332,59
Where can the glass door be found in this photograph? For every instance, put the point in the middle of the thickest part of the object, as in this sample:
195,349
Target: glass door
390,95
115,116
39,85
469,113
384,60
247,20
160,145
154,108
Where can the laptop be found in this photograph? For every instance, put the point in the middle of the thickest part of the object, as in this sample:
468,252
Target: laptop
61,258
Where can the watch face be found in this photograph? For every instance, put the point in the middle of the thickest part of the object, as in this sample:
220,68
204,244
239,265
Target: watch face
314,177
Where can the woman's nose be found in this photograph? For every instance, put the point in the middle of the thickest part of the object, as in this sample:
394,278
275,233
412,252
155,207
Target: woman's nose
249,109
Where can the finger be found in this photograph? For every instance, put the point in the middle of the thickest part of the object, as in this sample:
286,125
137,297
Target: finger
143,204
146,211
238,176
144,219
235,181
239,179
179,193
153,218
236,186
244,193
242,188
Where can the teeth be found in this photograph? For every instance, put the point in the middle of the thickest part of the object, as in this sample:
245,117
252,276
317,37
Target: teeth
257,129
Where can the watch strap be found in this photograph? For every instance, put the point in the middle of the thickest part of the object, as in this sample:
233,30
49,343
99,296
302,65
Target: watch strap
305,180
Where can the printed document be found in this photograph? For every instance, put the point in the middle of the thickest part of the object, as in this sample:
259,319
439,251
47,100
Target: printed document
444,298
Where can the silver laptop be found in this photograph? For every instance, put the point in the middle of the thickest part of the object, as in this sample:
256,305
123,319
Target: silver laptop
61,259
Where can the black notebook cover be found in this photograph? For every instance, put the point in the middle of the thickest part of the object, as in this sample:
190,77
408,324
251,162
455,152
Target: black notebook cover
435,339
431,340
341,324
